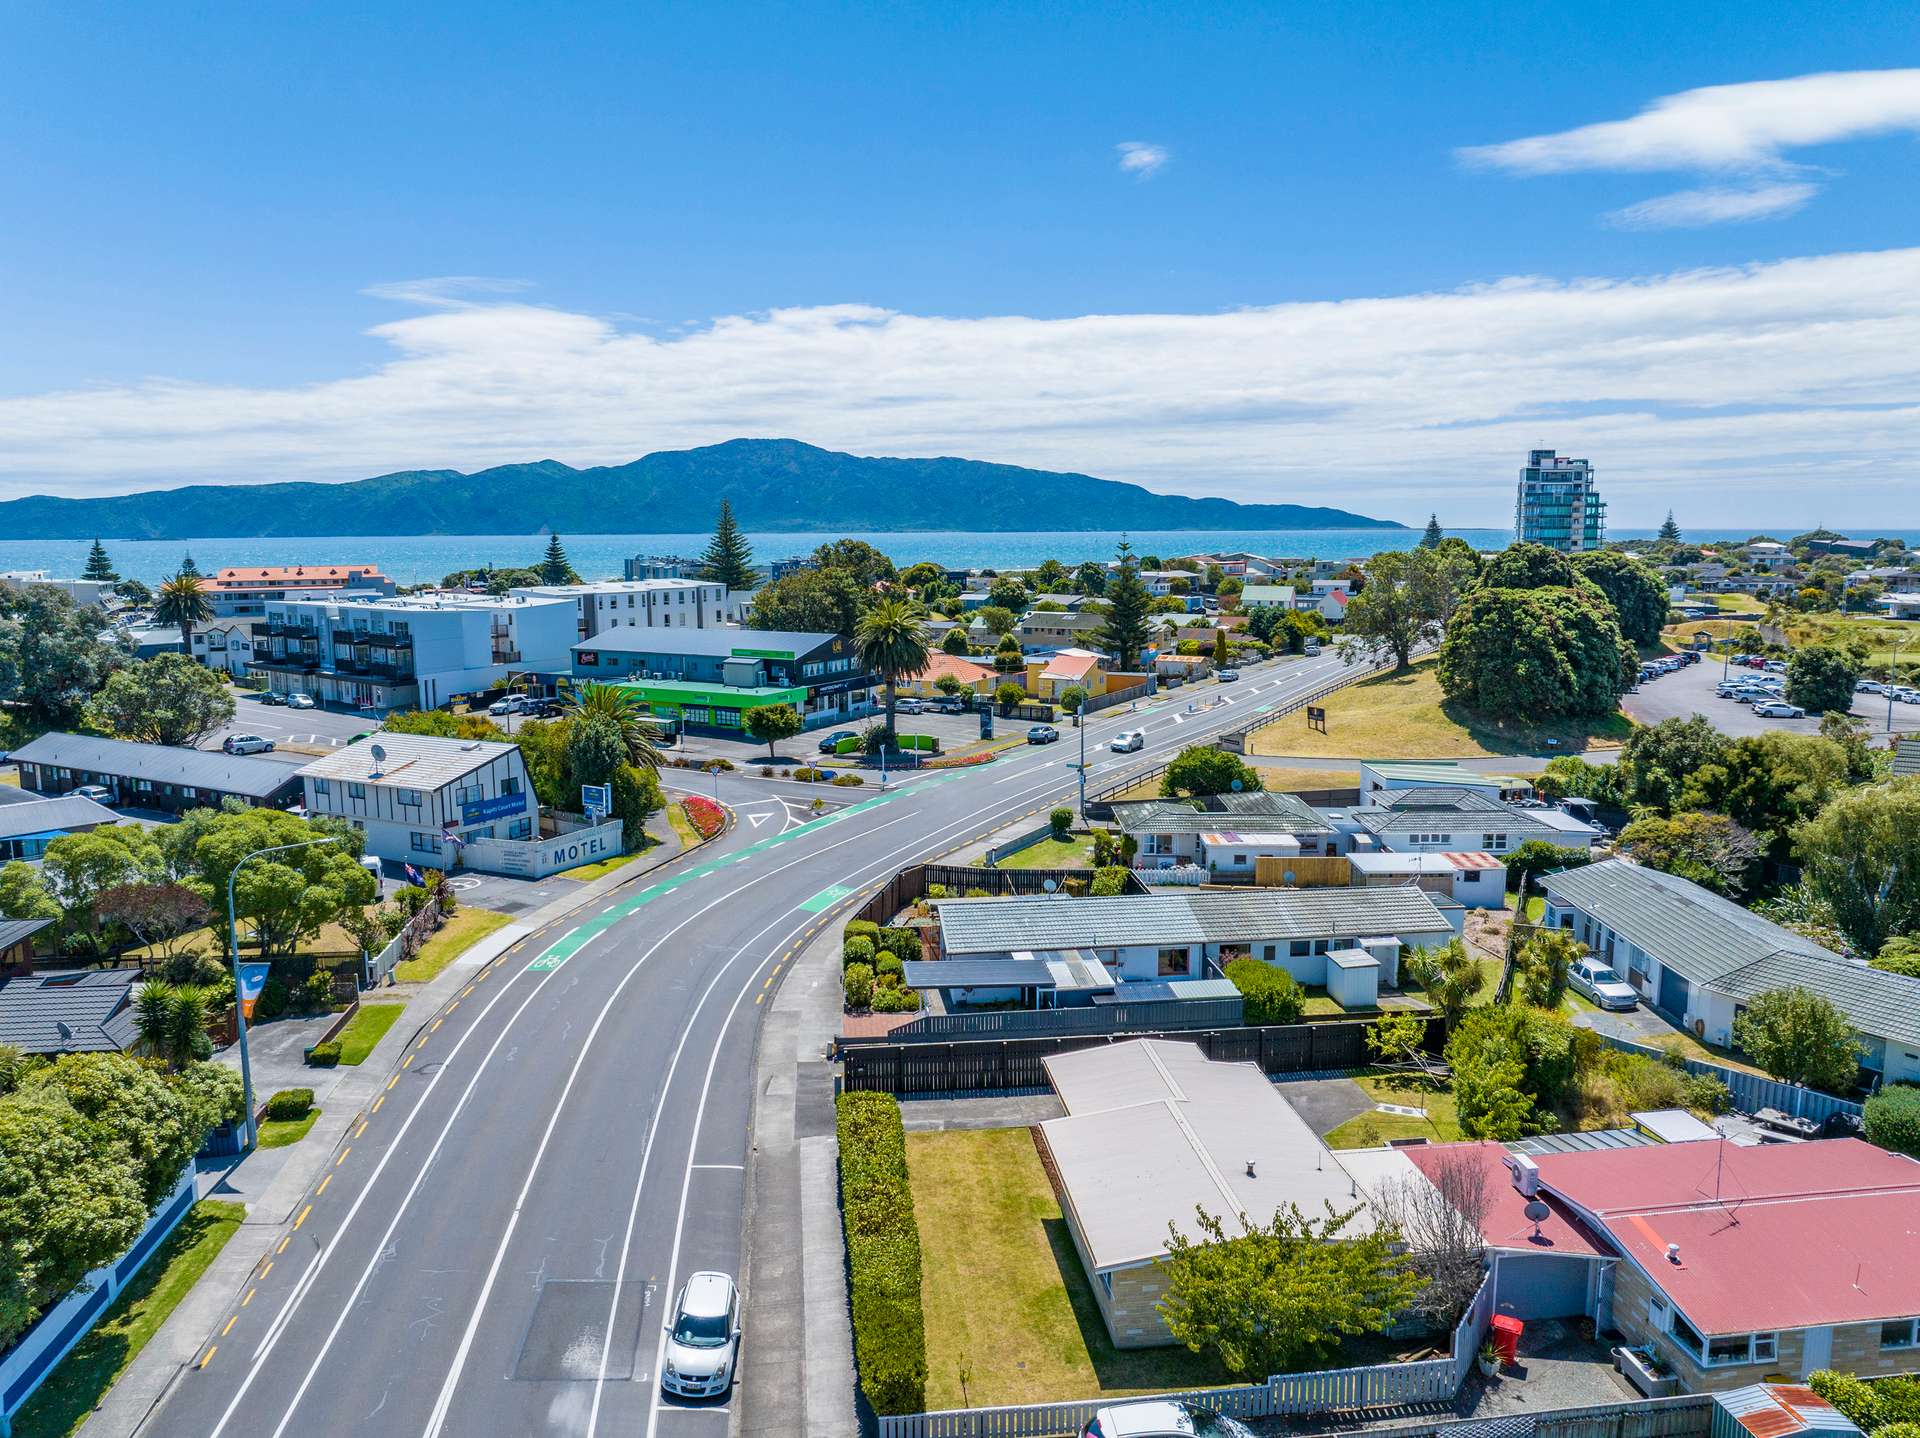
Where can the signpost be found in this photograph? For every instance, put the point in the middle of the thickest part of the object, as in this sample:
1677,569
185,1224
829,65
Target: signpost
1317,718
596,801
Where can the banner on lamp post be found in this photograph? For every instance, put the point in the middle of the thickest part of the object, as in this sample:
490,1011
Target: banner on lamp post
253,979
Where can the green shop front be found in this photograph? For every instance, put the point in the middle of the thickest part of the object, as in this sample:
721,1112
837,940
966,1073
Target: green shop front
710,679
708,706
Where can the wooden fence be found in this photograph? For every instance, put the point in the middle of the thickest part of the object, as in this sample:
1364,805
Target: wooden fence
1305,871
993,1065
1382,1385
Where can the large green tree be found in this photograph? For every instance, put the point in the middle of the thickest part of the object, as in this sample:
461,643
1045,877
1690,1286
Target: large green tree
636,798
282,899
1638,594
79,868
1512,1064
615,703
1283,1291
1711,850
729,557
892,640
1200,770
1535,654
1658,759
1529,566
769,724
857,559
1769,782
1798,1036
554,567
1861,854
1007,592
1820,677
1398,610
183,603
53,656
1669,531
595,749
1450,978
1434,534
815,601
169,699
1090,578
1125,631
99,567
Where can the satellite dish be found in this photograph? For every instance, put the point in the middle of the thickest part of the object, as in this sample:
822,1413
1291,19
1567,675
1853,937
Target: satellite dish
1049,884
379,754
1537,1213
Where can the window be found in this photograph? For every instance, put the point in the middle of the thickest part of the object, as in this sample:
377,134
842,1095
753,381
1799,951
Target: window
1897,1334
408,797
1172,962
322,788
1299,948
1466,876
424,843
520,829
510,786
1685,1334
1493,843
1269,953
357,791
727,718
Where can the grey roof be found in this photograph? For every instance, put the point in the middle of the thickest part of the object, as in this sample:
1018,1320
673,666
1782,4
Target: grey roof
1045,923
409,761
1906,756
83,1011
1414,810
50,816
1877,1003
161,764
1589,1142
1160,816
1696,933
716,641
1276,810
12,931
1432,797
976,973
1277,813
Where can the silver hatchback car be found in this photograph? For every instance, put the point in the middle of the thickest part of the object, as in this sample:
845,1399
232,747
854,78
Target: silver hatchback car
703,1339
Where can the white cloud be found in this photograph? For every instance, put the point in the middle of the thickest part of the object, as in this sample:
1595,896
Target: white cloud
1140,159
1723,127
1768,390
1715,205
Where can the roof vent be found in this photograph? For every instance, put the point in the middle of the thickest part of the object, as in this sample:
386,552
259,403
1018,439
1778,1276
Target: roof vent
1673,1253
1250,1172
471,744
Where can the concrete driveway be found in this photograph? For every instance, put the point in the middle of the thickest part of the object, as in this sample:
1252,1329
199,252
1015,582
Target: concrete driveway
1689,691
314,728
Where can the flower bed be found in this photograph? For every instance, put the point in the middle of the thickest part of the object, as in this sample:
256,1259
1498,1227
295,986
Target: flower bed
960,761
707,817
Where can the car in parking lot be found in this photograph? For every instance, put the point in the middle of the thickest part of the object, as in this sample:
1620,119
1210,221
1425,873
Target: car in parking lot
1906,695
1162,1418
1127,741
247,744
99,793
269,698
1775,666
1595,980
299,701
1778,709
703,1338
1043,734
908,706
1868,686
511,704
831,744
948,704
1227,676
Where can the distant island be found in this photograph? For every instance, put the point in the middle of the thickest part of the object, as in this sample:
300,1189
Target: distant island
775,484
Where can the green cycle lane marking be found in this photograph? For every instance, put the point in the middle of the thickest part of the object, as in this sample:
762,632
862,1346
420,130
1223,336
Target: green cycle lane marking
826,898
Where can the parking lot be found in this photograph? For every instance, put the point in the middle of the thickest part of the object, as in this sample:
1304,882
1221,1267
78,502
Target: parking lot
313,729
1689,691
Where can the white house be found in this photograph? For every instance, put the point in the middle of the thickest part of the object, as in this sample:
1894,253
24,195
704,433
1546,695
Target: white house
409,792
1266,596
1454,821
225,644
1473,880
1228,838
611,604
95,592
1382,776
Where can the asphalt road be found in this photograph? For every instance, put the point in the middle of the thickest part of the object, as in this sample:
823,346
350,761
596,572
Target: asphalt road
492,1250
320,728
1689,691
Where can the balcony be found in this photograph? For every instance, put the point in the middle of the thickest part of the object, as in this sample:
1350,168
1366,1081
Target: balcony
506,656
369,639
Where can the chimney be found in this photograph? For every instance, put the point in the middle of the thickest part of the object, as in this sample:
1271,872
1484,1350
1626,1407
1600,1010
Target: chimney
1250,1172
1673,1253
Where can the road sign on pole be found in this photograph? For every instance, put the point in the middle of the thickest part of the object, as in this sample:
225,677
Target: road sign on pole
1316,718
596,800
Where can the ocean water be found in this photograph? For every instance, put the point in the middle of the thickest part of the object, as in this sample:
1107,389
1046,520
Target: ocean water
415,559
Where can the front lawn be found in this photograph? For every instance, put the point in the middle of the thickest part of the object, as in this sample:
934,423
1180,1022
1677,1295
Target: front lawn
460,933
1274,778
279,1132
1441,1123
365,1029
75,1389
1405,716
1010,1317
1073,852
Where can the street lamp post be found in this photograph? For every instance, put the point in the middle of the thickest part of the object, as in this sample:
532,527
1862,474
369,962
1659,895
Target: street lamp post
233,950
1893,681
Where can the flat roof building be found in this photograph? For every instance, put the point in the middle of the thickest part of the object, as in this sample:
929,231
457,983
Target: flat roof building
155,776
1558,505
609,605
710,678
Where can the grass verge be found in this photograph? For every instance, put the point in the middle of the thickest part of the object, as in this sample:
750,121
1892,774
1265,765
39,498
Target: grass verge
1006,1301
76,1387
1277,778
1440,1124
1073,852
682,827
365,1029
279,1132
587,873
460,933
1405,716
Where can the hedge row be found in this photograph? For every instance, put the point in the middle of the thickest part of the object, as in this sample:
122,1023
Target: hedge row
883,1253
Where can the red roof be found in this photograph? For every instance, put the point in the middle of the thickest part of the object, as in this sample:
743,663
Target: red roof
1773,1236
1476,859
1506,1224
314,574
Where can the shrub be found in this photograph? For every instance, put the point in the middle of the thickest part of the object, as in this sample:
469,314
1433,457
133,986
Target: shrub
939,891
1893,1118
902,942
1270,995
861,929
847,781
807,774
856,949
273,998
978,894
766,771
1536,857
1060,821
856,980
895,1001
325,1055
889,966
707,817
883,1253
1109,882
1883,1406
1103,849
317,991
290,1103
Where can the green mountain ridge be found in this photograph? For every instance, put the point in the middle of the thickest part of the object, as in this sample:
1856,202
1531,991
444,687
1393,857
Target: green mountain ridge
774,484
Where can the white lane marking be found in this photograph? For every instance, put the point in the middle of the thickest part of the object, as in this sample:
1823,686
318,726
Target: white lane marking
758,819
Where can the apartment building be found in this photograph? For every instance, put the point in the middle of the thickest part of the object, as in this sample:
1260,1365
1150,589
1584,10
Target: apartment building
1558,505
245,590
411,651
612,604
417,797
710,678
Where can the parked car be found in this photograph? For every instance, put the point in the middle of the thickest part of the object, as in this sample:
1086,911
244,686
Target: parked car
299,701
1158,1418
908,706
1042,734
1868,686
247,744
1597,981
99,793
1227,676
831,743
1311,648
703,1338
1778,709
1906,695
1127,741
513,704
267,696
1775,666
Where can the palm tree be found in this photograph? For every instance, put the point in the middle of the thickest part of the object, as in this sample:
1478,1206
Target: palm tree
182,602
613,702
893,644
171,1020
153,1017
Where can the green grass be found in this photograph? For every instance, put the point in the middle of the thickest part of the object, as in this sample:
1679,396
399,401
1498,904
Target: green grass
365,1029
587,873
76,1387
1074,852
1005,1298
1370,1130
279,1132
682,826
460,933
1536,905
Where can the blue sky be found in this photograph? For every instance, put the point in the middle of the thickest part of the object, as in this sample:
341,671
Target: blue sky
230,230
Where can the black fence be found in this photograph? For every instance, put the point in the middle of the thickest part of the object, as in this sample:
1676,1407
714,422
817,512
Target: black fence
990,1065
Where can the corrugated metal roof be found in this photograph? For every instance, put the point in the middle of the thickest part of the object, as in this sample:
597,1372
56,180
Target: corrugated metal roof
1775,1410
1050,922
1467,807
50,816
1276,813
1698,934
412,761
160,764
976,973
1906,756
1877,1003
1589,1142
82,1011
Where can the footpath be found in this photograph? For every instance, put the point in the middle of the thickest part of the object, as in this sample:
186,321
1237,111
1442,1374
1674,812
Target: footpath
274,1182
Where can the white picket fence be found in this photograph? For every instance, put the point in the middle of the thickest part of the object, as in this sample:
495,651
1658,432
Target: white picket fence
1380,1385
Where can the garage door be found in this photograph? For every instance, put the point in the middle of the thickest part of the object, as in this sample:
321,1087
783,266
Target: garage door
1542,1286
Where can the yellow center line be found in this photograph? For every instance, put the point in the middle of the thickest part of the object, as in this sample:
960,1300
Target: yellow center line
343,1155
207,1357
376,1104
467,990
391,1082
283,1245
248,1299
407,1062
303,1215
434,1030
760,997
360,1130
268,1269
229,1328
323,1185
452,1006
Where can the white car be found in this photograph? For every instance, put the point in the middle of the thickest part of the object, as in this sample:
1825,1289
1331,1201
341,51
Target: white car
247,744
1158,1418
299,701
703,1340
1906,695
99,793
1593,978
1775,666
1127,741
512,704
1778,709
907,706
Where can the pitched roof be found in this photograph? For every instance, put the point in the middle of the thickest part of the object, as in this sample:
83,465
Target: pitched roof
1505,1223
1071,664
1418,810
967,671
294,574
1698,934
1877,1003
1906,756
12,931
1044,922
1829,1223
160,764
83,1011
412,761
53,816
1278,813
